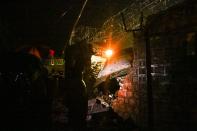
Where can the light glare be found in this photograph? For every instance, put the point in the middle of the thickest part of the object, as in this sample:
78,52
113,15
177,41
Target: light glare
108,53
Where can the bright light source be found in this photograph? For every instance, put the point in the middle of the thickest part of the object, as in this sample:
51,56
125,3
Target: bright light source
108,53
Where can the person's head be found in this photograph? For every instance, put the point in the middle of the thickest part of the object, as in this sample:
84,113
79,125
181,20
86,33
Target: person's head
76,56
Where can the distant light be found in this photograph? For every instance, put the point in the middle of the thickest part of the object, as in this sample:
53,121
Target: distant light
52,62
52,53
108,53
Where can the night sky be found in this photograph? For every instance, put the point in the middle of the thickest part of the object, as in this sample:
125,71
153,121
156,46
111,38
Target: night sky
47,22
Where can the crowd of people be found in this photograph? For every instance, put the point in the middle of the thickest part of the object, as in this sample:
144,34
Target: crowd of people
24,98
26,103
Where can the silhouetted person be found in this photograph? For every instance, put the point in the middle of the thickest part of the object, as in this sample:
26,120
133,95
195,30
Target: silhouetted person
24,102
76,94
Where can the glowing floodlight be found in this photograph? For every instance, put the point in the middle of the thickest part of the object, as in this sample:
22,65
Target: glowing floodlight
108,53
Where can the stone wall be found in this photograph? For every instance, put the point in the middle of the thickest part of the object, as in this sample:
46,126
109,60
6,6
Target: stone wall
173,64
126,102
132,15
172,35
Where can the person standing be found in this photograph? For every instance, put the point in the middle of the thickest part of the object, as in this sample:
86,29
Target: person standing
76,56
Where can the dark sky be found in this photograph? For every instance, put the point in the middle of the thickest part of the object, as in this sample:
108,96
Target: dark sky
48,22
